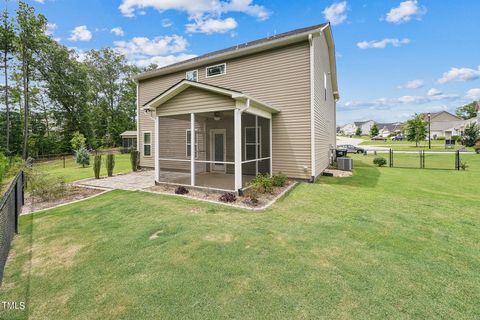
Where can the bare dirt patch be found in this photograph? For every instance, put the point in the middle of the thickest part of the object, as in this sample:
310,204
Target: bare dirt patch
242,201
54,255
71,194
339,173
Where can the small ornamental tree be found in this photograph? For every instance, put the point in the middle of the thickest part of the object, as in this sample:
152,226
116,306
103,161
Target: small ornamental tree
134,158
471,134
82,157
358,132
77,141
416,129
380,161
374,130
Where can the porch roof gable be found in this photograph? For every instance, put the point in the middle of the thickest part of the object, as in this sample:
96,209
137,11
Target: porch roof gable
185,84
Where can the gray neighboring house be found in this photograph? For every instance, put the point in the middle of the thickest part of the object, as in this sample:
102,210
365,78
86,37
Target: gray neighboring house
219,119
389,129
351,128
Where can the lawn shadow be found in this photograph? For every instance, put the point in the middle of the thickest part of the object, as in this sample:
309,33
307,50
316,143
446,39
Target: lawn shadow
364,176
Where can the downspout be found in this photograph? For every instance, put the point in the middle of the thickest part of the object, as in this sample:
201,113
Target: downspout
312,110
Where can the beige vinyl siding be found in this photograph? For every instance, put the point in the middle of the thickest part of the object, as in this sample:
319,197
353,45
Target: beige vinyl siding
324,111
279,77
195,100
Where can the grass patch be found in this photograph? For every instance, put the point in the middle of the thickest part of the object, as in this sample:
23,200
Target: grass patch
384,243
437,145
73,172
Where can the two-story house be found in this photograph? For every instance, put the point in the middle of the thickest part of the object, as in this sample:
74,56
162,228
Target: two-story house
220,119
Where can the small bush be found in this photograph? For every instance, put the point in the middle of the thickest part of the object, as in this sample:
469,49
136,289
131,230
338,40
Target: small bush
78,141
380,161
228,197
279,180
181,190
82,157
463,166
262,184
97,165
476,147
110,164
45,186
440,138
134,159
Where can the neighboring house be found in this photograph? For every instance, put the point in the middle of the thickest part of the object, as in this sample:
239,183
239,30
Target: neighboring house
444,124
265,106
129,140
351,128
388,129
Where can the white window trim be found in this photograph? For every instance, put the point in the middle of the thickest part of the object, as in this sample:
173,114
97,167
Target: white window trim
187,145
186,73
259,143
216,65
147,144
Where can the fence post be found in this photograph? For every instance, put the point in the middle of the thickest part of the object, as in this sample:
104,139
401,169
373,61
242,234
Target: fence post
391,157
457,160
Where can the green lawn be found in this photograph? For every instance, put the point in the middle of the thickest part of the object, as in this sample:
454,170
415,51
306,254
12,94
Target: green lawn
437,145
73,171
383,244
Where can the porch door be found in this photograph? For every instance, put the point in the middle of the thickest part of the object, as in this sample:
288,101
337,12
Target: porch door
218,149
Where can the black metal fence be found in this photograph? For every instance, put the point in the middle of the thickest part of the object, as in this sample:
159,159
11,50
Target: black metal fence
424,160
10,207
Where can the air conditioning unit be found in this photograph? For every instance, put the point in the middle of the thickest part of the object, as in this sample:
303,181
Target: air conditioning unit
344,164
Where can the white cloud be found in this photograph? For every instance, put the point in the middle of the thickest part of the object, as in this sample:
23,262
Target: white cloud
413,84
118,31
162,61
166,23
434,92
80,33
336,13
381,44
78,54
212,25
40,1
403,100
163,50
473,94
205,15
51,27
460,74
405,12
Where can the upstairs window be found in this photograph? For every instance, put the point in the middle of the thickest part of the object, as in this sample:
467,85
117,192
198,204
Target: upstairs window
192,75
216,70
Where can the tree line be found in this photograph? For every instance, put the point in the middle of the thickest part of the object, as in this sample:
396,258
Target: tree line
49,92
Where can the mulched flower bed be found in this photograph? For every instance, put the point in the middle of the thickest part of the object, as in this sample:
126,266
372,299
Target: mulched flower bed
33,204
241,201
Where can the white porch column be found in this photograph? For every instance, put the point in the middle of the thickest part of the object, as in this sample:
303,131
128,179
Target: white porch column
238,148
156,144
257,144
192,149
271,147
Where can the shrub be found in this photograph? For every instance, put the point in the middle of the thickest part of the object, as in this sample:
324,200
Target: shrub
45,186
82,157
97,165
110,164
262,184
3,166
380,161
279,180
134,159
77,141
476,147
463,166
181,190
251,198
440,138
228,197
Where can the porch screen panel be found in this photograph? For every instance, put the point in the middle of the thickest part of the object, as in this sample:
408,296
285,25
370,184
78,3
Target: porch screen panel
214,166
264,140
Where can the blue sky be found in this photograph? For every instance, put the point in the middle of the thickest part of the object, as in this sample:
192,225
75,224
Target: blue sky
394,57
